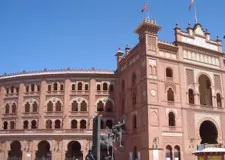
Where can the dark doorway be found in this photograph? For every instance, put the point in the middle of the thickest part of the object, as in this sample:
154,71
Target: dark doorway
74,150
208,133
15,151
43,151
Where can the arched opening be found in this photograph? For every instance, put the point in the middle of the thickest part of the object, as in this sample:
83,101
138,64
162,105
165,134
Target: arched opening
27,107
108,106
79,86
32,87
73,87
25,124
5,125
134,121
74,106
172,121
109,124
169,154
58,106
12,125
7,109
55,86
33,124
57,123
205,90
15,151
14,108
49,88
191,99
50,106
83,106
218,100
74,150
105,86
74,124
44,151
170,95
169,73
61,87
111,88
48,124
98,87
86,87
83,124
208,133
177,153
100,106
35,107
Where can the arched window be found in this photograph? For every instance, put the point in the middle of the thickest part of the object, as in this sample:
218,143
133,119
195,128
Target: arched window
105,86
111,88
49,88
12,125
58,106
98,87
108,106
169,154
61,87
73,124
33,124
80,86
35,107
191,99
177,153
38,88
205,90
12,89
17,90
50,106
86,87
169,73
48,124
57,123
170,95
83,124
74,106
14,108
100,106
133,78
27,89
172,121
7,109
27,107
109,124
123,85
32,87
83,106
73,87
134,121
218,100
25,124
55,86
7,90
134,100
5,125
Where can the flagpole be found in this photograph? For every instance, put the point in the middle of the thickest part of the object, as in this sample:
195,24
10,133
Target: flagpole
147,10
196,20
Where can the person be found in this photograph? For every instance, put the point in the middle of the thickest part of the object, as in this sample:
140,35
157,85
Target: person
118,131
89,156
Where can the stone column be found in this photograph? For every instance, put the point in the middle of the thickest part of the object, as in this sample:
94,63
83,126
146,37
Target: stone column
214,103
20,108
197,95
66,106
42,107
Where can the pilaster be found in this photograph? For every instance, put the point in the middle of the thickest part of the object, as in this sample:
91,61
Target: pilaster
41,124
66,107
19,123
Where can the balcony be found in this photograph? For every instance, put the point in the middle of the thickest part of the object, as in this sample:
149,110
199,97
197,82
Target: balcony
53,114
30,115
78,114
9,116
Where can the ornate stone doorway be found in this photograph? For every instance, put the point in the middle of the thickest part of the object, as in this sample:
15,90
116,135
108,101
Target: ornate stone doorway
74,151
208,133
43,152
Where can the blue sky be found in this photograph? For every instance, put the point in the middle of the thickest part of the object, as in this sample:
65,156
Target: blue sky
80,34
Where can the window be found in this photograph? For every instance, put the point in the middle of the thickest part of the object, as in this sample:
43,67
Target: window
55,86
74,106
83,124
109,106
14,108
133,79
105,86
169,154
49,88
48,124
73,87
205,90
27,107
50,106
35,107
61,87
134,121
33,124
12,89
7,109
7,90
80,86
109,124
25,124
177,153
86,87
134,101
169,73
38,88
32,87
191,96
83,106
111,88
58,106
218,100
170,95
5,125
57,124
98,87
73,124
17,90
100,106
172,121
12,125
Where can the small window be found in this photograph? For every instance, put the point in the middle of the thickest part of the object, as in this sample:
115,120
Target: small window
109,124
7,90
133,79
14,108
169,154
218,100
172,121
7,109
5,125
12,125
100,106
33,124
61,87
57,124
105,86
74,106
27,89
73,87
49,88
38,88
48,124
58,106
32,87
12,89
50,106
134,122
25,125
170,95
27,107
55,86
35,107
80,86
111,88
98,87
83,124
191,96
73,124
17,90
86,87
108,106
83,106
169,72
177,152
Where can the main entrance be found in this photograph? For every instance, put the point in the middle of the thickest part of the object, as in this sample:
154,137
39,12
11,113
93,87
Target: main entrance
74,151
208,133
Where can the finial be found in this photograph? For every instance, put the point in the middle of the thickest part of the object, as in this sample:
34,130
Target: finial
189,25
218,38
127,49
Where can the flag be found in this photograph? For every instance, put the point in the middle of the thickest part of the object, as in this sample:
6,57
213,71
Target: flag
145,8
191,4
